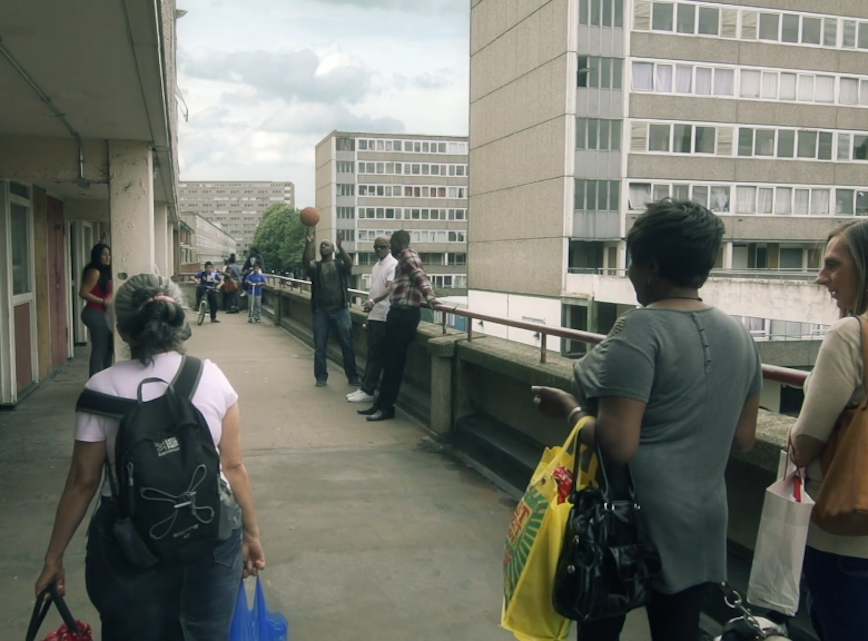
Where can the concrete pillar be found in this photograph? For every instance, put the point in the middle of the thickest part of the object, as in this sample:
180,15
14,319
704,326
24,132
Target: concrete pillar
161,238
727,255
442,351
131,208
131,211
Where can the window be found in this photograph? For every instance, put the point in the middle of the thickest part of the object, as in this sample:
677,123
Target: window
848,40
597,195
686,18
709,21
584,11
662,16
345,190
658,139
844,201
812,30
863,35
790,28
724,82
596,14
745,142
345,144
765,142
20,242
769,26
719,199
598,134
807,147
830,32
682,138
643,76
860,147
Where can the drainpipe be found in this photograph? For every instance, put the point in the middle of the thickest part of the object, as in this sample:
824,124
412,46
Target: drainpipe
81,181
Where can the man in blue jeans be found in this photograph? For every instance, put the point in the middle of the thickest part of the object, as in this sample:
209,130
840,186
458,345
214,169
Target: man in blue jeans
330,302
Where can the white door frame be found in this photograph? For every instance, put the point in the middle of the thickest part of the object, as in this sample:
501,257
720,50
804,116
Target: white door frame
79,258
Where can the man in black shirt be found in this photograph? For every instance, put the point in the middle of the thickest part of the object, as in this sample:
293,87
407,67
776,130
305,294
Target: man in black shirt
330,302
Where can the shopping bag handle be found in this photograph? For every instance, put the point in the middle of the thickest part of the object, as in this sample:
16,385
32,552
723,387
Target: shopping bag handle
799,480
41,608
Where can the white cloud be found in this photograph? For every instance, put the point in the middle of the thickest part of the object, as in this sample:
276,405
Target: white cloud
266,80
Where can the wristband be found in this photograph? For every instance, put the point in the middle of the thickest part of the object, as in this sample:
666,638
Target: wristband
572,415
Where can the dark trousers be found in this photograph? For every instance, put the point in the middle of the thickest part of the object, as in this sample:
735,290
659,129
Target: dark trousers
376,355
168,602
230,301
339,321
212,301
101,339
401,324
838,595
671,617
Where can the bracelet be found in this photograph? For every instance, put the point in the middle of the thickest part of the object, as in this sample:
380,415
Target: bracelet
572,415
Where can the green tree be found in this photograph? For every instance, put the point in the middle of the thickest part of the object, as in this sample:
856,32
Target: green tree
280,237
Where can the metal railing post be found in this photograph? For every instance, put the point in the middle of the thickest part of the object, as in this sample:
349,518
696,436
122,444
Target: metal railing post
542,347
469,329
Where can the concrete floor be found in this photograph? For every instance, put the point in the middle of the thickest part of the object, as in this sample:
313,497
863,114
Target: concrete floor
371,531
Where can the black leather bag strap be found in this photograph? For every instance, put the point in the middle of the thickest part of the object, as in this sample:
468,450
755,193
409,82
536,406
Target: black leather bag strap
41,608
187,379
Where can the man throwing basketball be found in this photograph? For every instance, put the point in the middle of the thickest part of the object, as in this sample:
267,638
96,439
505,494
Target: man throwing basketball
329,299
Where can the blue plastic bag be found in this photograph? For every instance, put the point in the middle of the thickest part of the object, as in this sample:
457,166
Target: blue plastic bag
257,624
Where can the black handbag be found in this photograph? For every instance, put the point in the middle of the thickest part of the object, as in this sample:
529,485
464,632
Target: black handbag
607,562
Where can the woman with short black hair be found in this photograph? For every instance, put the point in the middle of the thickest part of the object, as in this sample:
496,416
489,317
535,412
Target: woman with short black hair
170,601
674,388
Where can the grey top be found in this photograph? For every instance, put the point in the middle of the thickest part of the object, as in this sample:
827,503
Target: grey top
695,370
330,295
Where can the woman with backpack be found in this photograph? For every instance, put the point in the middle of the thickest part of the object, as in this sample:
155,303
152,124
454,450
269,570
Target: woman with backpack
142,588
96,291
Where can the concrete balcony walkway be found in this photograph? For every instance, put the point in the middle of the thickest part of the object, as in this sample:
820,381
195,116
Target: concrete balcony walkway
372,532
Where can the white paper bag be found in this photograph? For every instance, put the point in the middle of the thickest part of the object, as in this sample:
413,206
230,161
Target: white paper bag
780,545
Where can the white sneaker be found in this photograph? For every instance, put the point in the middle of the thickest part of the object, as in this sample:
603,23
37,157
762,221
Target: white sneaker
359,396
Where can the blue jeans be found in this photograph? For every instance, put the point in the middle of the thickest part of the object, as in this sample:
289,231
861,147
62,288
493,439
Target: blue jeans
323,323
838,595
168,602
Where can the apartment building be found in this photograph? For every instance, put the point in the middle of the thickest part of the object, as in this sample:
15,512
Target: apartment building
370,185
757,109
237,207
206,241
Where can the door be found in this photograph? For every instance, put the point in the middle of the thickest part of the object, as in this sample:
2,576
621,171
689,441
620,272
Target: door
56,281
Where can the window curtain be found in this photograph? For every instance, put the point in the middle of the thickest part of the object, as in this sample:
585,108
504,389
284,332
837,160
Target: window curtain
770,84
745,199
640,195
824,91
784,201
703,81
820,202
765,196
806,88
643,76
801,201
683,79
849,91
719,199
788,86
664,78
724,82
863,92
750,83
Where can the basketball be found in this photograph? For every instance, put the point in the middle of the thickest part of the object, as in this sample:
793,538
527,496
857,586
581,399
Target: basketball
309,217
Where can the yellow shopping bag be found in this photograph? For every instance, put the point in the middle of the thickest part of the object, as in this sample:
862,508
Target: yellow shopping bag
534,542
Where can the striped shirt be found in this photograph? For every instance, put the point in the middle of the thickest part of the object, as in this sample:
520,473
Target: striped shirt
412,287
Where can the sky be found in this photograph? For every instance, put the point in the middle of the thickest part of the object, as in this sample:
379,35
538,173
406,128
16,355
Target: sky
265,80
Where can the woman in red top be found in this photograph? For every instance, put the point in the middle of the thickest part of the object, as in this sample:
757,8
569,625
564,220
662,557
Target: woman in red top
96,290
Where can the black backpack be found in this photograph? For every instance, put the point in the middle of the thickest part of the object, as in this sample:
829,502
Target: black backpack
171,501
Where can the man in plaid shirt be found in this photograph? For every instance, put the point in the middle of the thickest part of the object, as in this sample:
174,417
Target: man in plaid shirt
412,290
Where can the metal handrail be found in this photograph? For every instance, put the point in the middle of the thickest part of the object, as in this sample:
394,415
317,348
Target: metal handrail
784,375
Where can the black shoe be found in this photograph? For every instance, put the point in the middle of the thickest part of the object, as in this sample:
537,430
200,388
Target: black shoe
373,409
318,383
382,415
214,320
356,383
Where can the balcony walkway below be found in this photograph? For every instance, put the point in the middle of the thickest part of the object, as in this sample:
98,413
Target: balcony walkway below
372,532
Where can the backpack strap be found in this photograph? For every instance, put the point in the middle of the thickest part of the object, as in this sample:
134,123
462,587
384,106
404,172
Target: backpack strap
187,379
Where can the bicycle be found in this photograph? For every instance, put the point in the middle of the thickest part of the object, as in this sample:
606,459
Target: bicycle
203,310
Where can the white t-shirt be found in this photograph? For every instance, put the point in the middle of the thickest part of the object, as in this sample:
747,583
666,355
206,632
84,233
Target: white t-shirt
213,397
382,273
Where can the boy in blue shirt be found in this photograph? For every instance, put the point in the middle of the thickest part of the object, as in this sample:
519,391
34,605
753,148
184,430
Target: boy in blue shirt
254,281
209,282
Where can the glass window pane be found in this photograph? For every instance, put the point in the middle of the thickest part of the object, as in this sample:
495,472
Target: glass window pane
830,32
719,200
745,141
860,147
661,192
20,242
616,135
639,196
662,16
790,28
584,10
812,29
764,196
581,132
765,142
604,135
770,84
788,86
849,91
768,26
824,89
580,194
591,201
824,146
605,73
686,18
807,144
806,88
801,201
820,202
703,81
602,195
681,192
844,202
614,195
682,139
658,138
848,39
619,13
709,21
593,125
700,195
583,72
843,146
784,201
663,78
786,143
745,200
607,13
617,72
595,13
724,82
684,79
861,203
751,83
594,73
863,35
705,140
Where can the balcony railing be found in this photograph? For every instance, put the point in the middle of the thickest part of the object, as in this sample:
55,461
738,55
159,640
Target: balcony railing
765,274
783,375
